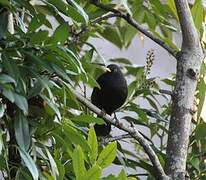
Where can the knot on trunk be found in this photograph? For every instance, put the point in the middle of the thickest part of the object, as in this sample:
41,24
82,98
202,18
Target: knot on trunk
192,74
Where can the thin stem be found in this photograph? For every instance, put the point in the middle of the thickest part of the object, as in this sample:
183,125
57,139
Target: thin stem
137,26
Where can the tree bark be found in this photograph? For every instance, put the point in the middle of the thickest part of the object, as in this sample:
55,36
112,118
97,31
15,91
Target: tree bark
189,61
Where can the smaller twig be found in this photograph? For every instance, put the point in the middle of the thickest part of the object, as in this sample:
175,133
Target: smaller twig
167,92
101,18
116,138
137,26
85,29
148,139
140,174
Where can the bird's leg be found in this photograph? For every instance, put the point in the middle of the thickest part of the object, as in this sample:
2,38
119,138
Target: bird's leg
132,124
115,118
104,140
102,113
117,122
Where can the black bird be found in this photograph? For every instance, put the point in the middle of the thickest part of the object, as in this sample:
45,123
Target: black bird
111,96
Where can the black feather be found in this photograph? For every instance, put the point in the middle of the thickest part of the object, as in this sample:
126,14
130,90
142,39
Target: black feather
111,96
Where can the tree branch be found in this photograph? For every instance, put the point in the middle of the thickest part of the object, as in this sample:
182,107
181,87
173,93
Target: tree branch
116,138
167,92
137,26
189,33
130,130
95,21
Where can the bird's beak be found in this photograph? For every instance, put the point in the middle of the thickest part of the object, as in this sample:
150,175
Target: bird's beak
107,70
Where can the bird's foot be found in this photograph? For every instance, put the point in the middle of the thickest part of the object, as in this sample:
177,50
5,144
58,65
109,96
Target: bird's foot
116,120
115,116
104,140
102,113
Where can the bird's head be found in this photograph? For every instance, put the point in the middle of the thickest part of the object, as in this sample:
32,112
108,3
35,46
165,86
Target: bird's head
112,68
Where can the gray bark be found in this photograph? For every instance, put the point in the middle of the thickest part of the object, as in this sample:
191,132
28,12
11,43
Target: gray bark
189,61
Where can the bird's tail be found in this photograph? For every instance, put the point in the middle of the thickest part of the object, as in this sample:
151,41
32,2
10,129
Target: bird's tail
102,130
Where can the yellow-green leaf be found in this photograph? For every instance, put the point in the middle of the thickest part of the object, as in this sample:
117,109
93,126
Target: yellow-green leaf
107,155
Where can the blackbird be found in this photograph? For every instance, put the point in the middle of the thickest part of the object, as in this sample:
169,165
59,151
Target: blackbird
111,96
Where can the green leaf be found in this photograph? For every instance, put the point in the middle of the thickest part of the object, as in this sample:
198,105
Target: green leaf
54,107
21,102
93,173
88,56
90,80
4,21
78,163
9,94
38,60
70,58
122,176
128,35
172,6
107,155
80,10
21,128
198,14
92,141
26,4
2,110
49,10
60,34
54,169
152,103
110,177
1,142
61,169
39,37
151,20
5,3
132,88
76,138
195,163
139,12
37,21
200,132
10,66
88,119
67,146
201,95
40,84
72,9
146,166
29,163
60,71
23,173
4,78
169,82
121,60
99,59
112,34
72,99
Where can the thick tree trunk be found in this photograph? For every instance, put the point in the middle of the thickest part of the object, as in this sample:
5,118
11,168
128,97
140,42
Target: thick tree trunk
188,68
